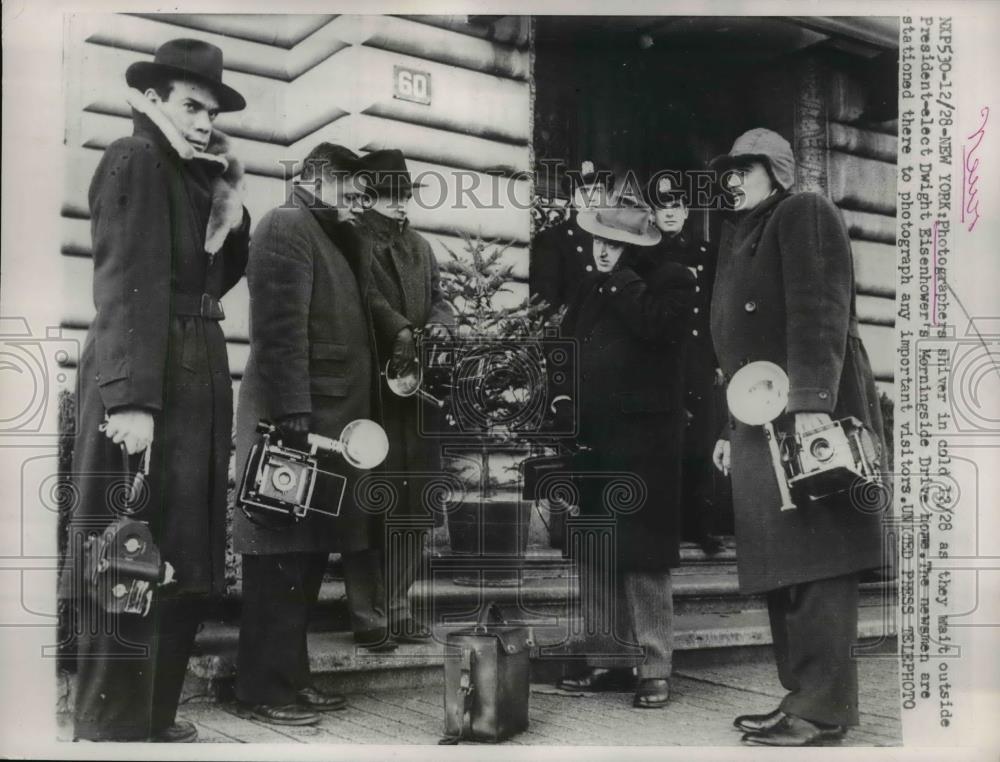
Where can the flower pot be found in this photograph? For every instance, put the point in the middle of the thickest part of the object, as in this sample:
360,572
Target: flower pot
489,528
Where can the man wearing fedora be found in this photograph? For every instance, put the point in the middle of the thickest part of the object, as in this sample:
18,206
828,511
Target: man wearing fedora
311,369
629,317
405,272
667,196
170,237
563,254
784,293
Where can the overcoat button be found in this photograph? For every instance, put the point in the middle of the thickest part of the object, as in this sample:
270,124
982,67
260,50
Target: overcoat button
701,267
823,395
569,232
579,248
697,289
600,290
695,310
694,332
590,268
614,289
750,306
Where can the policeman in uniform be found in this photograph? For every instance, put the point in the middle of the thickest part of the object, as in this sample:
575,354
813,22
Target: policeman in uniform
562,255
666,196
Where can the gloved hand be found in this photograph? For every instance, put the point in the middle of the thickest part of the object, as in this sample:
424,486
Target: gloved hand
294,430
404,352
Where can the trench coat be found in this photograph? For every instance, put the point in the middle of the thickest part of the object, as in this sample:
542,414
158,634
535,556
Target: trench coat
630,328
405,273
560,257
149,211
312,349
784,292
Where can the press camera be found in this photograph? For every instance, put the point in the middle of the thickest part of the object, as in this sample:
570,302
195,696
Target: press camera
831,459
282,485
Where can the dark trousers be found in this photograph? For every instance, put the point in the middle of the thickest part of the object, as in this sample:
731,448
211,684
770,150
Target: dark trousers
130,669
279,590
381,579
814,625
628,619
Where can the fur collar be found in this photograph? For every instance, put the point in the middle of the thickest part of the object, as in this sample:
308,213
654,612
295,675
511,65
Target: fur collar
228,188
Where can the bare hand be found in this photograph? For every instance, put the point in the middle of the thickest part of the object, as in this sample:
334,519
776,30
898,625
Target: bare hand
721,456
806,422
133,427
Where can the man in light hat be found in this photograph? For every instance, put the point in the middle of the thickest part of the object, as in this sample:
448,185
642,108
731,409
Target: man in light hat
562,255
405,273
170,237
629,316
784,292
666,195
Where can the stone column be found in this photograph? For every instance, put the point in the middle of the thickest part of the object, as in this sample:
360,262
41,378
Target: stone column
811,144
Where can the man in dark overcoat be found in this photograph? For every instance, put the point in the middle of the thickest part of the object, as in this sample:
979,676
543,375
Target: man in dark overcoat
311,370
563,254
170,237
784,293
405,272
629,319
666,196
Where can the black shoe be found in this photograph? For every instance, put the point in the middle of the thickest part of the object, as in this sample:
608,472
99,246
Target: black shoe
754,723
795,731
410,631
377,640
181,731
711,545
320,701
652,693
599,679
286,714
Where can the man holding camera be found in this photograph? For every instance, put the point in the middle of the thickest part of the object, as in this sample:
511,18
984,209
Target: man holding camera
311,370
405,272
170,237
784,293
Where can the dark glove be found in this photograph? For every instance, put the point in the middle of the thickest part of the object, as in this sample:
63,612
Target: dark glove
294,431
404,352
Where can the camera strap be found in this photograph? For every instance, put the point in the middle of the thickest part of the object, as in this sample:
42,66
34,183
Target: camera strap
137,481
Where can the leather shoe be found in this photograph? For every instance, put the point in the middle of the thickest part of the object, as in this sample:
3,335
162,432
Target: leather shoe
652,693
181,731
321,701
754,723
411,631
598,679
286,714
377,640
795,731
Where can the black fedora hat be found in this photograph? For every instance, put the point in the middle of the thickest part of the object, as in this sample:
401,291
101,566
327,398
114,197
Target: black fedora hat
385,170
185,59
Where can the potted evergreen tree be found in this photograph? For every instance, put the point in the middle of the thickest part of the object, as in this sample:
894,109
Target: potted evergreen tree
490,374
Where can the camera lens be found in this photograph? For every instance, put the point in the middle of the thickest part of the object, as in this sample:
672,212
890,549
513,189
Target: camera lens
821,449
283,479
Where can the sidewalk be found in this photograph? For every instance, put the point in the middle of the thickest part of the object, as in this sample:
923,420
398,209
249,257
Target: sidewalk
705,701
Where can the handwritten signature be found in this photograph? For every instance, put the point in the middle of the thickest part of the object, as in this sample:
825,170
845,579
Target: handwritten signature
970,174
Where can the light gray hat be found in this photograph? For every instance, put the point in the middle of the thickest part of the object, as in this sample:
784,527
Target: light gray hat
765,145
